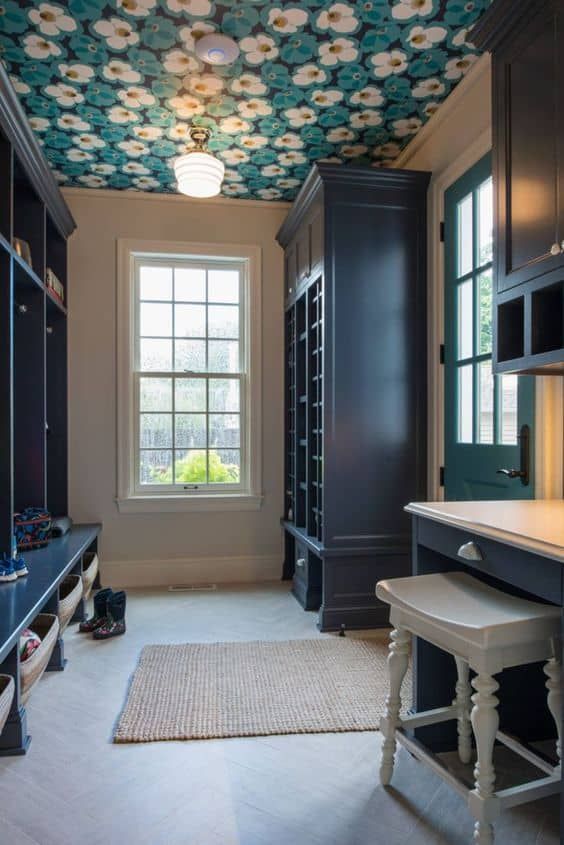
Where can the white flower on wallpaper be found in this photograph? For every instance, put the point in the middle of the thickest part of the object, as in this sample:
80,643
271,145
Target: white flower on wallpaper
234,157
179,62
135,97
119,114
248,83
138,8
190,34
134,149
302,116
73,122
206,85
76,73
232,175
292,157
39,124
339,50
360,120
428,88
65,95
186,106
38,47
340,134
339,17
258,50
353,150
234,125
456,68
286,20
369,96
385,64
309,75
254,108
423,38
113,83
406,126
324,99
118,33
120,71
147,133
88,141
198,8
406,9
51,19
290,140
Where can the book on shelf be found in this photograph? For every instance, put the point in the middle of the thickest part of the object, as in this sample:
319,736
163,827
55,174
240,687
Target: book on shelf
54,285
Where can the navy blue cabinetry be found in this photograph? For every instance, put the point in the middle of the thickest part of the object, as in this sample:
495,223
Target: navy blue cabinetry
355,245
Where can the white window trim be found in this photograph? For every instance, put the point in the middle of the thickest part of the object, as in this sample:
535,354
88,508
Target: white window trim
222,500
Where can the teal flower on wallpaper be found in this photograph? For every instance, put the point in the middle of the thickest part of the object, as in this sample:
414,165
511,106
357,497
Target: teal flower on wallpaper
275,75
352,76
12,18
240,21
299,48
91,51
112,87
159,33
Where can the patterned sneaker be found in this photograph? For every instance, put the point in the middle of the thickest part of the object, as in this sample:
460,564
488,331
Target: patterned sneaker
7,572
19,566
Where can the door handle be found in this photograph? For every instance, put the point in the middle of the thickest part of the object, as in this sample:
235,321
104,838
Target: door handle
523,472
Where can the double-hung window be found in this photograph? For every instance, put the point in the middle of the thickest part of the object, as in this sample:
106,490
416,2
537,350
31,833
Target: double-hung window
191,421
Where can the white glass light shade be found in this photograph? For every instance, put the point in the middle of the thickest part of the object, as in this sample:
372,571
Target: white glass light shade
199,174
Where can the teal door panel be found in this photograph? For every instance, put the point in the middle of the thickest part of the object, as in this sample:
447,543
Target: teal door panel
484,414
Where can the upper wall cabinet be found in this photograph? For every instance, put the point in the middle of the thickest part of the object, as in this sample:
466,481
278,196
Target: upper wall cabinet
528,164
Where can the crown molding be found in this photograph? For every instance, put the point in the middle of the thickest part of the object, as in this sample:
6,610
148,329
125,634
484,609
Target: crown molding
145,196
19,133
445,111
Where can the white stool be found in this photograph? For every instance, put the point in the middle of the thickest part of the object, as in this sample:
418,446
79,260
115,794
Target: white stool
485,630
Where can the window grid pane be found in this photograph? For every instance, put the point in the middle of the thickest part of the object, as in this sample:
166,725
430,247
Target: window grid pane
190,428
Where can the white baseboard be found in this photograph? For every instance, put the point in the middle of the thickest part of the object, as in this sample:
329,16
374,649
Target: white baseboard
210,570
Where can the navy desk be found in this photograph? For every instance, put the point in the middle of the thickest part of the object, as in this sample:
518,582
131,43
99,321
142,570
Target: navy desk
22,600
522,546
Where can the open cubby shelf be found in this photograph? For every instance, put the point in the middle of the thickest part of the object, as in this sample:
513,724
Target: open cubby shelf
530,331
34,226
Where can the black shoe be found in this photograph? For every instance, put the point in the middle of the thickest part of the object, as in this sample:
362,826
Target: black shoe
100,616
114,625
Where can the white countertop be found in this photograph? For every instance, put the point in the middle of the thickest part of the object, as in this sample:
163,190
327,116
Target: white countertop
536,525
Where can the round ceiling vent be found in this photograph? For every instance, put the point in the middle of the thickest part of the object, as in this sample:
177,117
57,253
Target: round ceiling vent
216,49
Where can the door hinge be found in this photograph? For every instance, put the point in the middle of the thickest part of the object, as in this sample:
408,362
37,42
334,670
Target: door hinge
441,476
442,231
442,353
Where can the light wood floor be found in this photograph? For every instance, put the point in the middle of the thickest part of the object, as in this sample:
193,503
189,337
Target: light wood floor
75,788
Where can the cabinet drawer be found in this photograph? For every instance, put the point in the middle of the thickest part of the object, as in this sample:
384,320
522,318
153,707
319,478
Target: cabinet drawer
537,575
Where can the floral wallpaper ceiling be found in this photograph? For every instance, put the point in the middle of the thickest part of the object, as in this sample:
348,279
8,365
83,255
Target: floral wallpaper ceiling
111,87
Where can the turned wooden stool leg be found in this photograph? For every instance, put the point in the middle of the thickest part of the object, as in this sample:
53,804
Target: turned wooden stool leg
398,661
553,671
463,703
485,722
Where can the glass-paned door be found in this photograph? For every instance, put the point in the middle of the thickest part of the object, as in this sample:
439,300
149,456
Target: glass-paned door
485,414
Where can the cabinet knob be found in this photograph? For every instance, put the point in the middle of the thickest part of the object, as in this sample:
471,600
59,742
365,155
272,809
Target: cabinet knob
300,562
556,249
470,551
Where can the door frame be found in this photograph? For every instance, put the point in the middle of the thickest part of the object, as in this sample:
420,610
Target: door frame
549,393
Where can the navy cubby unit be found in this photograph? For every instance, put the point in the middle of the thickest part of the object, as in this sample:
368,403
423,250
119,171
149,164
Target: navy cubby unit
34,226
355,243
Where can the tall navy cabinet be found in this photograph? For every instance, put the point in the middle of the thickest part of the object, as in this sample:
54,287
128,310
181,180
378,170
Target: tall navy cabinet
355,441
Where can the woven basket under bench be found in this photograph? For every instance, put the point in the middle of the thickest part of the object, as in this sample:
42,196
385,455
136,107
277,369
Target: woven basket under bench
7,689
90,570
70,593
46,626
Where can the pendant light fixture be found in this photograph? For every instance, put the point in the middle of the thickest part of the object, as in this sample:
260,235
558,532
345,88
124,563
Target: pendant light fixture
198,172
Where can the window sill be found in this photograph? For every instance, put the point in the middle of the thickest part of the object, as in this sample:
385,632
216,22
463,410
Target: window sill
183,504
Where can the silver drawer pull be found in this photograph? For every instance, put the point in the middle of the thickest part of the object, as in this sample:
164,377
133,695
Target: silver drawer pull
470,551
300,562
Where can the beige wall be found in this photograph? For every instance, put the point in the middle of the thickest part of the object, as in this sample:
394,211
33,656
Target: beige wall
165,548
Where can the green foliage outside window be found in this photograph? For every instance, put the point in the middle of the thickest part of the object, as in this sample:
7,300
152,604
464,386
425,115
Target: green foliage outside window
192,470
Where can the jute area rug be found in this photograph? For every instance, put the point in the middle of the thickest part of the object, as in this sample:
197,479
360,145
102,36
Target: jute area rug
211,690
